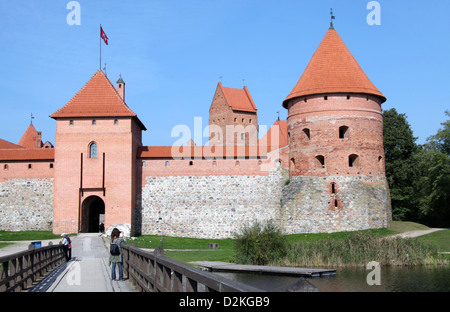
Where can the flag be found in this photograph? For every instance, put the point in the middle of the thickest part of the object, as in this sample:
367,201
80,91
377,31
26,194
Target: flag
103,35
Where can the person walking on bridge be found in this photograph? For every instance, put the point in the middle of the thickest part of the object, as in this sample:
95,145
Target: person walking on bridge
116,255
67,246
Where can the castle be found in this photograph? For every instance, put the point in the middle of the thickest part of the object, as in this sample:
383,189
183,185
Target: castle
321,170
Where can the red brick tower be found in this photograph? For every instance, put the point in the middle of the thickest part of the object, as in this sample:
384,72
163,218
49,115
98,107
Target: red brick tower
335,132
96,141
232,117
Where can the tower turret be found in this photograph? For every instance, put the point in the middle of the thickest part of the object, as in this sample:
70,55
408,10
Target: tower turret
335,131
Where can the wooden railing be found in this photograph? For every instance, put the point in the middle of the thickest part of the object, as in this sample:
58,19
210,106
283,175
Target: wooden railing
152,272
20,270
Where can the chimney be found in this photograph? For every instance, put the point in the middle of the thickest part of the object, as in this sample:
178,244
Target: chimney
121,87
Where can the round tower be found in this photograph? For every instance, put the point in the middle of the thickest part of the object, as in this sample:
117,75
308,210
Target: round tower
336,155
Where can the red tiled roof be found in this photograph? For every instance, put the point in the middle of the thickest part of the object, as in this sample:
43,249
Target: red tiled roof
27,154
333,69
278,129
29,138
97,98
8,145
201,151
238,99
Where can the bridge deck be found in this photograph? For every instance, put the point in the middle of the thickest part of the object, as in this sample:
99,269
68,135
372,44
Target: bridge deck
88,271
218,266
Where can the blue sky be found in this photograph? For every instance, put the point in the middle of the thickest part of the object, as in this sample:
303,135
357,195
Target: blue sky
171,54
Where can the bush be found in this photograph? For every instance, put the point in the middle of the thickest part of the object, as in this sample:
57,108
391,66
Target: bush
259,244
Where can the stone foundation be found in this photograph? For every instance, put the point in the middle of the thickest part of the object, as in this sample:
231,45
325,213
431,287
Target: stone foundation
209,206
314,205
26,204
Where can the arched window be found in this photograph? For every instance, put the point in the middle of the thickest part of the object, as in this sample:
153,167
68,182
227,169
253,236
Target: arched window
93,150
307,133
344,132
353,160
320,161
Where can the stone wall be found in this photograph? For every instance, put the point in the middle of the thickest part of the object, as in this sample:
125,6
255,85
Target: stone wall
209,206
26,204
314,205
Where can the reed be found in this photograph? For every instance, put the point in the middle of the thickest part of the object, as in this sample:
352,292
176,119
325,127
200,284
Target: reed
359,248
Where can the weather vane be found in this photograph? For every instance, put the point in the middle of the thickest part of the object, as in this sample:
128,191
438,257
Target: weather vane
31,119
332,18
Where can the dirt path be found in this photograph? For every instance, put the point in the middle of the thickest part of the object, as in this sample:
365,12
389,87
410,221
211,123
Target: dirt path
411,234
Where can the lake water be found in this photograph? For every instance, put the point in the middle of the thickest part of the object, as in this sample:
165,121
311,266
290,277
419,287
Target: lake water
392,279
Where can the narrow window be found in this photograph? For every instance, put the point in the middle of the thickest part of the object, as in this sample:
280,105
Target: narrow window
292,164
167,164
5,167
307,133
143,164
235,119
321,161
353,160
237,163
333,188
29,166
344,132
242,136
243,120
71,122
191,163
116,121
335,203
94,122
93,150
214,163
51,166
325,98
250,121
348,97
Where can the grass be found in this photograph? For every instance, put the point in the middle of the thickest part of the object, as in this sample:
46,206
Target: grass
194,249
441,239
406,226
189,249
27,235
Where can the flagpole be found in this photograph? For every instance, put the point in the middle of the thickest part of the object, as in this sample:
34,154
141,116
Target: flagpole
100,64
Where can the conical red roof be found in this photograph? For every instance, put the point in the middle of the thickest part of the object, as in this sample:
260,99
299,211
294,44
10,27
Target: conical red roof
30,138
333,69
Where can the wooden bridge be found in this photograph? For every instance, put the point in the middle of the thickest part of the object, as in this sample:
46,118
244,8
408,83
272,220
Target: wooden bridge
44,269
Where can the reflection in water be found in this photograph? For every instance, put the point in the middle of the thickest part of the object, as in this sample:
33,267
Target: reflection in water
393,279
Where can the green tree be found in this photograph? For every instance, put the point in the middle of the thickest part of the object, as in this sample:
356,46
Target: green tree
433,163
401,170
441,140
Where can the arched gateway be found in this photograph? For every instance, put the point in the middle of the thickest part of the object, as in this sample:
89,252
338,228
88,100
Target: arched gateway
92,210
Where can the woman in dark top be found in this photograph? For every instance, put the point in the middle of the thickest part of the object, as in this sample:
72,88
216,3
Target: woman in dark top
117,237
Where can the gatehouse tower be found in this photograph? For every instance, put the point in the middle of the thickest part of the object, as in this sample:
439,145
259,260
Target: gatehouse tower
96,142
